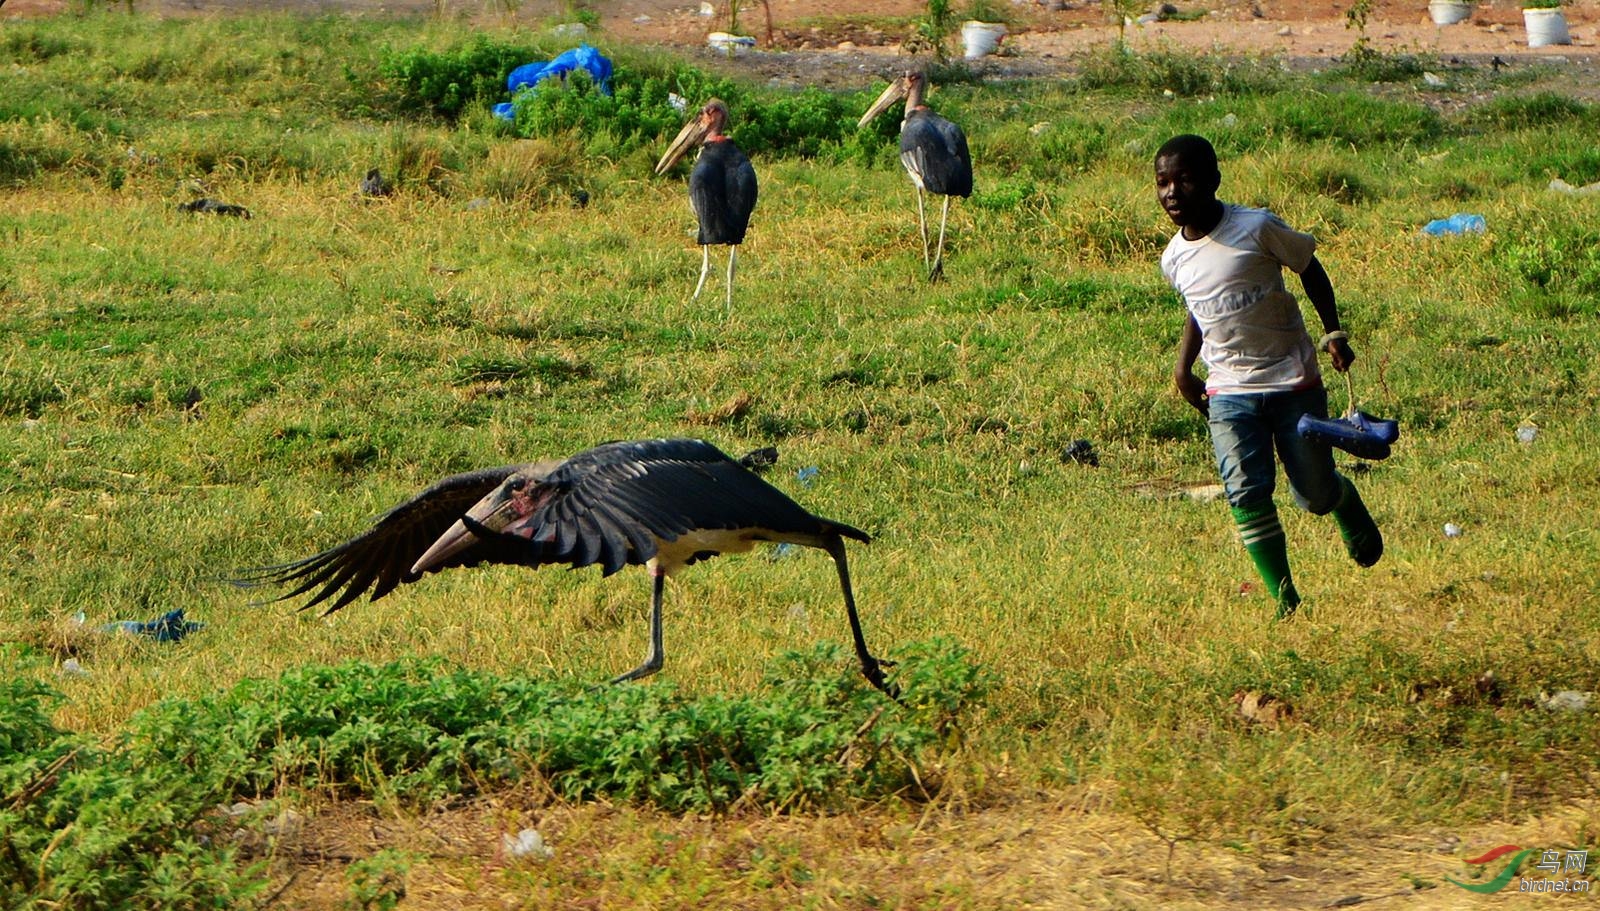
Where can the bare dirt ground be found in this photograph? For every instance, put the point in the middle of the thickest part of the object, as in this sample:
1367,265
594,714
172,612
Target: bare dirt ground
1037,852
1034,852
848,43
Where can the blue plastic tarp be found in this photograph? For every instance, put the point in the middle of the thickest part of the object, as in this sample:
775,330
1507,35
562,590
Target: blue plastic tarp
529,75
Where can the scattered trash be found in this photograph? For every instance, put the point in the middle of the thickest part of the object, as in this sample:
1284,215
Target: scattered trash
1432,79
1527,433
1561,186
1566,701
374,185
169,627
807,475
1452,530
80,618
797,611
707,10
1082,452
724,41
477,203
529,75
1267,711
678,102
1039,128
1206,493
527,843
213,207
1459,223
759,460
570,30
1230,120
71,668
784,549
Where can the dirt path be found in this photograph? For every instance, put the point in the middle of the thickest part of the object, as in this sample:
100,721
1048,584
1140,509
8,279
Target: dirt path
1033,853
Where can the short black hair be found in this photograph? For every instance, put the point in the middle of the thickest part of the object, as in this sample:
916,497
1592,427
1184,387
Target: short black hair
1196,152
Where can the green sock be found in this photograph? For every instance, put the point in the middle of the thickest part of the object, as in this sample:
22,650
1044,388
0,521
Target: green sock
1362,540
1263,539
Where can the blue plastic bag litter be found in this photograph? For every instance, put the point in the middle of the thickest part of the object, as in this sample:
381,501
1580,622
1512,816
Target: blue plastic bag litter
169,627
529,75
1459,223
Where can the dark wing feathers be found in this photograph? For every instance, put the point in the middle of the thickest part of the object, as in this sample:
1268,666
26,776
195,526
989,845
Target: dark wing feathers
612,505
381,557
936,150
722,192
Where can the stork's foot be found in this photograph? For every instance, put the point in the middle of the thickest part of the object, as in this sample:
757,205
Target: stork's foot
872,669
650,666
936,273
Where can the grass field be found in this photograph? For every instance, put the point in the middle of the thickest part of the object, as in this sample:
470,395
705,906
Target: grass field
186,395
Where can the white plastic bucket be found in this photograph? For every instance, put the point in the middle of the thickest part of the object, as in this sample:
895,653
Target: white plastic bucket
1449,12
1546,26
981,38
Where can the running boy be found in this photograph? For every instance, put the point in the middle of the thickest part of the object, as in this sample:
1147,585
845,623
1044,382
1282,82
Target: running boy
1261,366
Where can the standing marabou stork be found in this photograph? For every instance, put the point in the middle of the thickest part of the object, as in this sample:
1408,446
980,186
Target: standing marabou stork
722,186
934,152
663,504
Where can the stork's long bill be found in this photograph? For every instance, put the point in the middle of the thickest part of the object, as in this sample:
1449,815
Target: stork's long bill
908,87
499,511
895,92
705,125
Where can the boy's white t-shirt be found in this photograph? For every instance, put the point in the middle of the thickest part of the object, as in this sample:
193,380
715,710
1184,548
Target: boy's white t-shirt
1253,337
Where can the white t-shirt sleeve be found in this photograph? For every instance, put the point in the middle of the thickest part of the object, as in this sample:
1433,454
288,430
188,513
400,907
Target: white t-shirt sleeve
1285,244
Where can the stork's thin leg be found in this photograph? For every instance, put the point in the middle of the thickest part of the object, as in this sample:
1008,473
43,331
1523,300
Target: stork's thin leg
871,668
652,662
922,227
937,272
733,257
705,267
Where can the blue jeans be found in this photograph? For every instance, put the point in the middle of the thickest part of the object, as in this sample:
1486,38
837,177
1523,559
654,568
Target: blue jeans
1246,428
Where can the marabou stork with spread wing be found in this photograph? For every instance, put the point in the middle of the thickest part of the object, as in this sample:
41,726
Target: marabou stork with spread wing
722,186
934,152
663,504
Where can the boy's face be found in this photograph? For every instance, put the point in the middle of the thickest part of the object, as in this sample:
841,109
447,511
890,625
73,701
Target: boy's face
1185,193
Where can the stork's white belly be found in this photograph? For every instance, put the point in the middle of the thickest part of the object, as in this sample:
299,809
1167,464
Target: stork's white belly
673,554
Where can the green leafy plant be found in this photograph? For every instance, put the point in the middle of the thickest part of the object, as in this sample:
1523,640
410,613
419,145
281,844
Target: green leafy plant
1541,4
134,822
985,11
378,883
933,28
444,83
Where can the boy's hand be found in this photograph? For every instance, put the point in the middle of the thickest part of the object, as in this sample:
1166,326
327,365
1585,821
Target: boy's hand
1341,354
1193,390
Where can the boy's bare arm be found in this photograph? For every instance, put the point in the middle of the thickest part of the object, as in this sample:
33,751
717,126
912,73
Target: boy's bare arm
1319,290
1189,385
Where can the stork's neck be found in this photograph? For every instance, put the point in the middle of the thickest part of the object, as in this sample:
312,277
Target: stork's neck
716,136
914,97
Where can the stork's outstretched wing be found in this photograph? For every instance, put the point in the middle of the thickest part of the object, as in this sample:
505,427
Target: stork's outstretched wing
381,557
614,503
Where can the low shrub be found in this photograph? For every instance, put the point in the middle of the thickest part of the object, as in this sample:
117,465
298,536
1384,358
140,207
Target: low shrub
132,824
